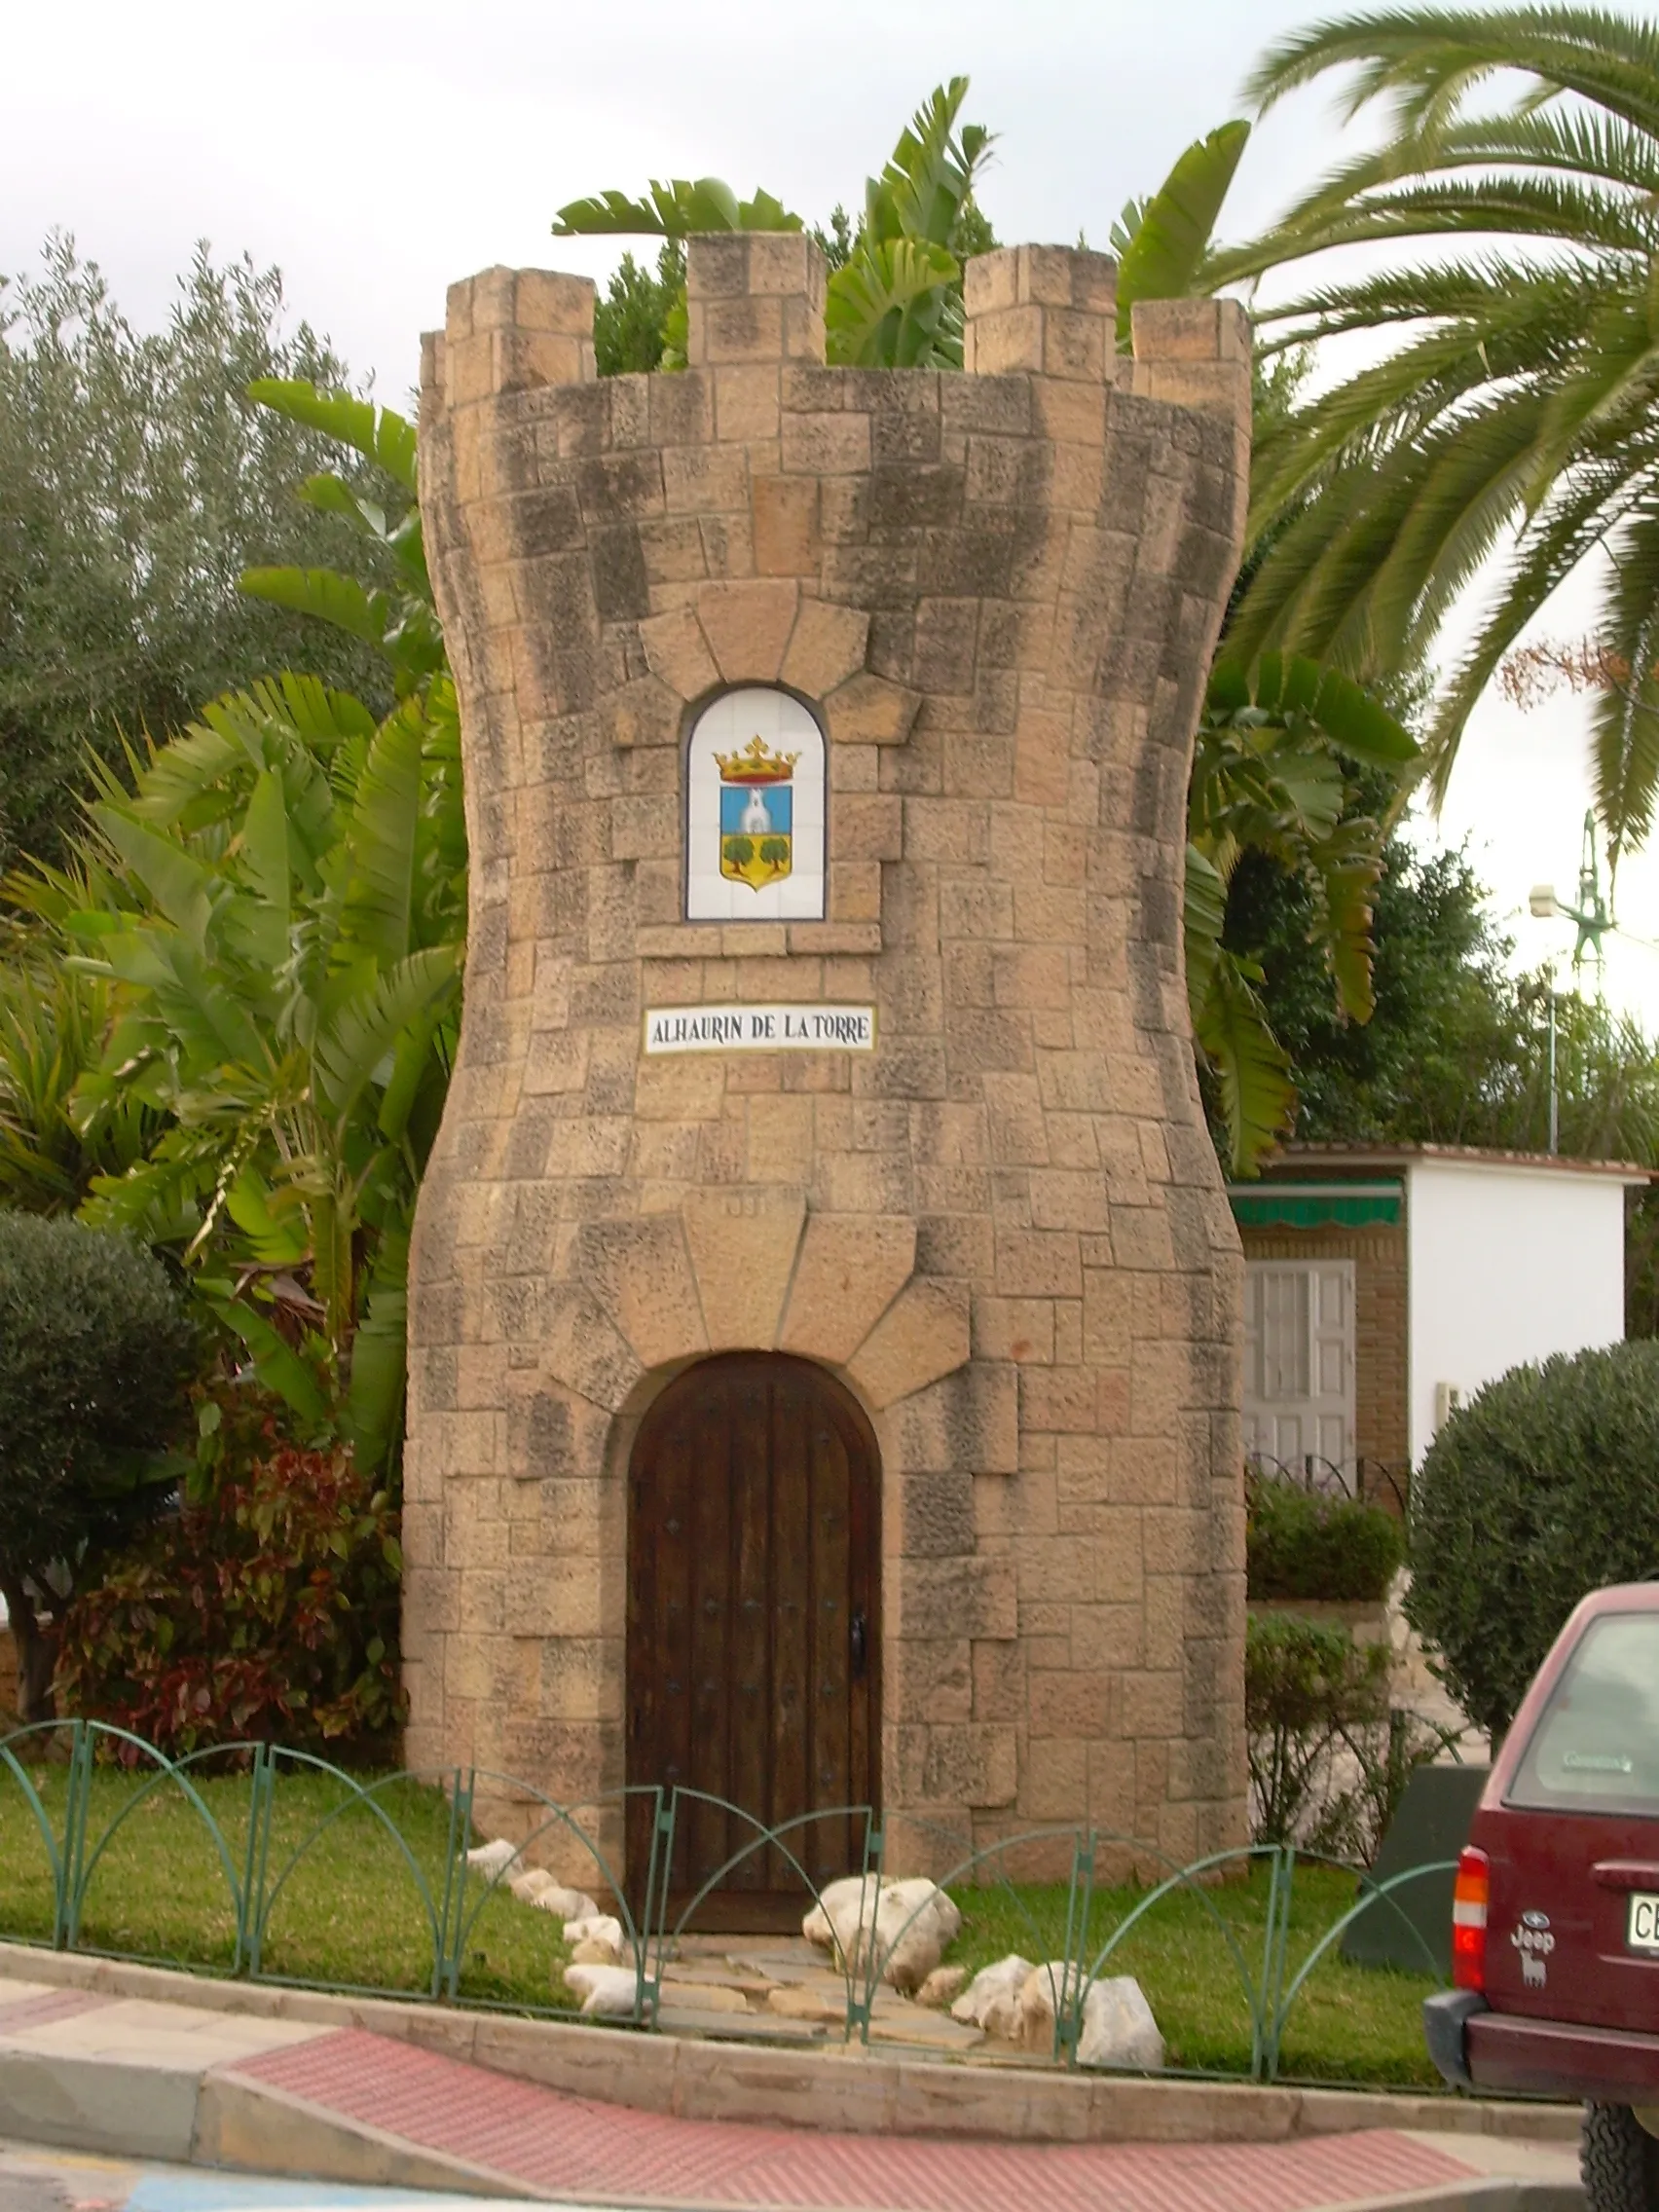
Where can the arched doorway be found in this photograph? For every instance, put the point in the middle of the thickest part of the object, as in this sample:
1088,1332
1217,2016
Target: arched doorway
754,1610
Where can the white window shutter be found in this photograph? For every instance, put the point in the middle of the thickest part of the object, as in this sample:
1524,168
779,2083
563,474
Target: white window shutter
1298,1368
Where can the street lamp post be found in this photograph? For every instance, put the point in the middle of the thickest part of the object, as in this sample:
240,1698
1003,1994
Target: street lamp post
1593,919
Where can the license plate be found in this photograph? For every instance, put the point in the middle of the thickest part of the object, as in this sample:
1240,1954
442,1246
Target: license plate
1642,1934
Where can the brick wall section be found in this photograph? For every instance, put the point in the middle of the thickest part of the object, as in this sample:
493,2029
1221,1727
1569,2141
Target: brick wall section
1005,1230
1378,1254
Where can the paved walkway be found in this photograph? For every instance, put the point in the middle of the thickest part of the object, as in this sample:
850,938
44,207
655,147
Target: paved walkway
172,2080
37,2179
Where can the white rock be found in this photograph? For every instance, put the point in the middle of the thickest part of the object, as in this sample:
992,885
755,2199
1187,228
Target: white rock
1118,2027
832,1903
530,1884
915,1891
596,1936
608,1992
594,1951
490,1858
989,1999
566,1904
942,1986
908,1923
1043,1990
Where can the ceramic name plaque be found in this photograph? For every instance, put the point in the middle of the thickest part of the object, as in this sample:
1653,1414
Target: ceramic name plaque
759,1029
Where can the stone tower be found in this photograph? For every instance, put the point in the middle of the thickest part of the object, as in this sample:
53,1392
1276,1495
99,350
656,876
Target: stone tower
838,1399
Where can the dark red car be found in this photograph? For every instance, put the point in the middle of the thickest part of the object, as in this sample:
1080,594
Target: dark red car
1555,1942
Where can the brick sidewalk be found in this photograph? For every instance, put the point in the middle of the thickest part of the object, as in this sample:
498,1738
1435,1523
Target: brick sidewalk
569,2146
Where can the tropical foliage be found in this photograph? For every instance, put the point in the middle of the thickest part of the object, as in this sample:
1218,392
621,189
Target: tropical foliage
258,946
267,1611
1506,247
53,1022
1165,243
1273,775
895,298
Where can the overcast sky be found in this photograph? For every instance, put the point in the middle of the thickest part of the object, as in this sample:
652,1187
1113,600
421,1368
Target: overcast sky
375,155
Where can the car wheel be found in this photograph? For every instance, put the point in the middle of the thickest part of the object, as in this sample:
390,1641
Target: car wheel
1619,2161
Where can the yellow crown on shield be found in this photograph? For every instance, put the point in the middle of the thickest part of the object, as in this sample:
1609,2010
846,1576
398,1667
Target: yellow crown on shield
756,764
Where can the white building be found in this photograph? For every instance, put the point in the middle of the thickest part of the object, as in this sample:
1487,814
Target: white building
1385,1283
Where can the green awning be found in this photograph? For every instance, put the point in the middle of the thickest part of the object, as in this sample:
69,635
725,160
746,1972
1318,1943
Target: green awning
1314,1206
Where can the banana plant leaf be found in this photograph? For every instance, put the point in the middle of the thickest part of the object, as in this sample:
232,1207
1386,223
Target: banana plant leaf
1164,256
678,207
378,434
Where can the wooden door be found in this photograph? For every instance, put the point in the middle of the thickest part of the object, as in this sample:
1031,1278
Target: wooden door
754,1603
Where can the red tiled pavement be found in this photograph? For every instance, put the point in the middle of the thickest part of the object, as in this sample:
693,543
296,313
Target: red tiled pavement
576,2148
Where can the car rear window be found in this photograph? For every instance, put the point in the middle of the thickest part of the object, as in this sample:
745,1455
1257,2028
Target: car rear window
1596,1745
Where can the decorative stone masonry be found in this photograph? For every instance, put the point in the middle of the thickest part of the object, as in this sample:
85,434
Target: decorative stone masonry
1002,1230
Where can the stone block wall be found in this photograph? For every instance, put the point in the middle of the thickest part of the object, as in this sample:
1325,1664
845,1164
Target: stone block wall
1004,1229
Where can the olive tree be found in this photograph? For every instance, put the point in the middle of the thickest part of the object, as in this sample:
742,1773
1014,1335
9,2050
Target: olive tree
137,481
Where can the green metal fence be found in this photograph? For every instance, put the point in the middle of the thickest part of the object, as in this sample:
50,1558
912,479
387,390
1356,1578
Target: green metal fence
257,1832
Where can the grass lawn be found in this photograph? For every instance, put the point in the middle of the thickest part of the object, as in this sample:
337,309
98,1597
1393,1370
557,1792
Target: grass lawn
1348,2023
350,1914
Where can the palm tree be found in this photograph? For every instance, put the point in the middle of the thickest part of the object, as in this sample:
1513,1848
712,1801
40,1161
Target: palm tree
1509,249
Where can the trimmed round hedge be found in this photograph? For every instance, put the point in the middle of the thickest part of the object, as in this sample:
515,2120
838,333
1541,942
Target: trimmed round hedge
1545,1486
96,1351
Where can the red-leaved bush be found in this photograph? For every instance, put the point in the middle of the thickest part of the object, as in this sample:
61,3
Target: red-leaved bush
267,1611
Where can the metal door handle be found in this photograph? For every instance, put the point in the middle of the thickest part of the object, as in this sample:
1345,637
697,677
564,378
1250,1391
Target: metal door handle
858,1637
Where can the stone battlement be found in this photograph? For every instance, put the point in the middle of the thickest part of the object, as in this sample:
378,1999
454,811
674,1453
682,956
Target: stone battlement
980,607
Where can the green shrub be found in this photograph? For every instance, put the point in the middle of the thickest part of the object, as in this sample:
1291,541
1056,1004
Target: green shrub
97,1351
1545,1486
1300,1545
266,1610
1310,1691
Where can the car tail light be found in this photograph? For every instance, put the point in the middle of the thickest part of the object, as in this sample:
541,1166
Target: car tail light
1470,1895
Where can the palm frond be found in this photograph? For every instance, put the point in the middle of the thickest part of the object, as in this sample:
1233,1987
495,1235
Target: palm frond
1553,211
1624,744
1430,58
1557,539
